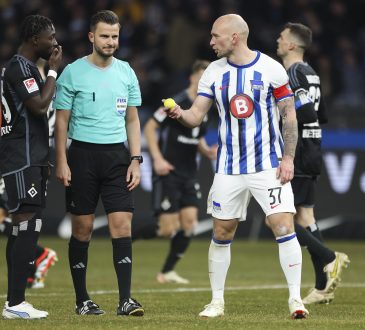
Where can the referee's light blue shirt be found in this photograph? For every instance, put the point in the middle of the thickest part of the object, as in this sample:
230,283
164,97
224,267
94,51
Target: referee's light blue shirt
98,100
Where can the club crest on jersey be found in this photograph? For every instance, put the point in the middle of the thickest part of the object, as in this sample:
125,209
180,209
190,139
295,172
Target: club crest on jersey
31,85
217,206
257,85
241,106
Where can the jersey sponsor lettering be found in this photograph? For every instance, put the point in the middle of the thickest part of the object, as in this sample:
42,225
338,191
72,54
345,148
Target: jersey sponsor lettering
313,79
186,140
312,133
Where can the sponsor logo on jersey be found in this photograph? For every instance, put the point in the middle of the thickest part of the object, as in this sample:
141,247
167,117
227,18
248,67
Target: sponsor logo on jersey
312,133
313,79
241,106
31,85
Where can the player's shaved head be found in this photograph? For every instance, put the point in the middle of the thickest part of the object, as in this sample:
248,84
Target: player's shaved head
233,23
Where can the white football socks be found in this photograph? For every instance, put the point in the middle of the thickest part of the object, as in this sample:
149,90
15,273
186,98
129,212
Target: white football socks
219,259
290,255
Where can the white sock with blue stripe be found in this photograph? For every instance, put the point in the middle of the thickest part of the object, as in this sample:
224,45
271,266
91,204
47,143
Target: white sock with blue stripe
290,255
219,259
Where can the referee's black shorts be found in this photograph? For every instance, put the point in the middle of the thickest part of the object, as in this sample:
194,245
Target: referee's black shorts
98,170
173,192
304,190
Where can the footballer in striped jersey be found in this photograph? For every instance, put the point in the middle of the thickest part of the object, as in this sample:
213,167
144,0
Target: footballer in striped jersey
252,93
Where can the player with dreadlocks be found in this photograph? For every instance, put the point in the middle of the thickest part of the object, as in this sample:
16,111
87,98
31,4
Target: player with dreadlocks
25,98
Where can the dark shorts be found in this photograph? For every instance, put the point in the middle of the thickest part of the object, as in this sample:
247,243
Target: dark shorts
98,170
27,189
171,193
304,190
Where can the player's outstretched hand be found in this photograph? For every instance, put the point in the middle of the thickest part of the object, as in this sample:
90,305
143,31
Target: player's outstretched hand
172,109
285,171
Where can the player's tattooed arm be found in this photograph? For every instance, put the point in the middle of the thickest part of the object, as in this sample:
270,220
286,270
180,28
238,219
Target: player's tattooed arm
290,125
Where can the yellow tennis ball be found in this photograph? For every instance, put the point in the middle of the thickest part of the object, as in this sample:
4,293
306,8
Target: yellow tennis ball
169,103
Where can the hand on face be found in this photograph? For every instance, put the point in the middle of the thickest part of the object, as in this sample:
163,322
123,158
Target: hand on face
55,59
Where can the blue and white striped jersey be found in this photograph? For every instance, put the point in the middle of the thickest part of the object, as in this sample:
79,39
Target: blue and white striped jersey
246,96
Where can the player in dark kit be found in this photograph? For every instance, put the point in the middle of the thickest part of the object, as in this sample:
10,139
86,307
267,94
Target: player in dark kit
25,98
311,113
176,190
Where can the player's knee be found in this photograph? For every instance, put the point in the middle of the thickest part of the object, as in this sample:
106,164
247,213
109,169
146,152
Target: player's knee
188,226
167,231
304,216
82,232
282,228
223,233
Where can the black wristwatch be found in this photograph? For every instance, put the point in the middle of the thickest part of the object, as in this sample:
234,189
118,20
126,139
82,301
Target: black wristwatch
139,158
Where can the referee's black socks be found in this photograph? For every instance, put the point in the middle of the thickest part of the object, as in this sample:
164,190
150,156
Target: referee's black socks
77,257
122,259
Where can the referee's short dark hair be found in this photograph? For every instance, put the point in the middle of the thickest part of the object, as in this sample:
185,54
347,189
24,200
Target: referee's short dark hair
199,65
302,32
104,16
34,25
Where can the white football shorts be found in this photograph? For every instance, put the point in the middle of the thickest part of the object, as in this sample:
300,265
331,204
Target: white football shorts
230,195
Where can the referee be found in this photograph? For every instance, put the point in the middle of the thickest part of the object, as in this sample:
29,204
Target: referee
96,102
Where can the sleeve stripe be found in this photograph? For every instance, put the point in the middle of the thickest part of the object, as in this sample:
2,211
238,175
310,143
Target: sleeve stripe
206,95
294,82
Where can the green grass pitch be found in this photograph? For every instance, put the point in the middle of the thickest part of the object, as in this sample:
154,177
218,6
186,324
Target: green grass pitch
256,295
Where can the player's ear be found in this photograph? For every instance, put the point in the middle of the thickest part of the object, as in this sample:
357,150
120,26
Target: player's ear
91,36
292,45
34,39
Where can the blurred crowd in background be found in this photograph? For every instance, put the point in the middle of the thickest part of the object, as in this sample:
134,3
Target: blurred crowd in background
162,38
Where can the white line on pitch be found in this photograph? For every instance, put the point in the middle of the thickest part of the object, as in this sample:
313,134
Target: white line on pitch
185,289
